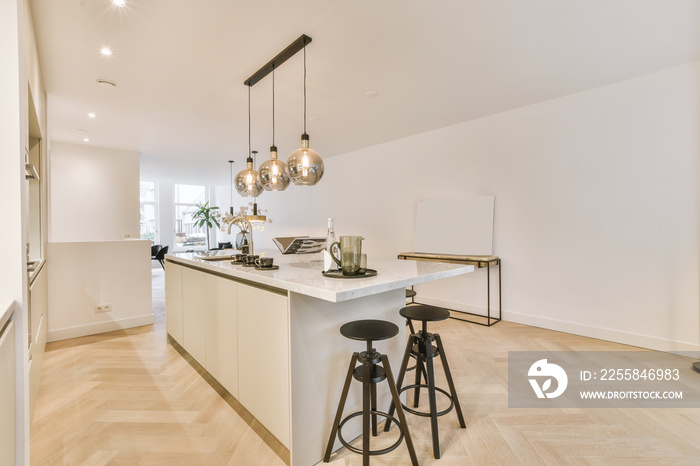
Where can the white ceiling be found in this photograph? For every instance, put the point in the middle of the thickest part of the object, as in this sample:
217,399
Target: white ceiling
179,66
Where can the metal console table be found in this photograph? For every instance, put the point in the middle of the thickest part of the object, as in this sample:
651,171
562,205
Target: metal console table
480,262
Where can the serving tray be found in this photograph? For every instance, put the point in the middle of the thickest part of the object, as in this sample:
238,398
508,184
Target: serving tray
214,258
339,274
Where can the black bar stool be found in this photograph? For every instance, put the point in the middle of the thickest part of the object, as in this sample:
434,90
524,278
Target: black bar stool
370,373
420,346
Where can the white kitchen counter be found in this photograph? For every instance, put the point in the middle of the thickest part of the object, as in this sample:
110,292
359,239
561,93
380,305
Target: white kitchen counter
304,277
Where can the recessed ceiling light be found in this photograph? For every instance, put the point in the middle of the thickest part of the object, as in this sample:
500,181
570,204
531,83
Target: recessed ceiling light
82,130
106,51
91,115
106,84
86,139
119,2
371,93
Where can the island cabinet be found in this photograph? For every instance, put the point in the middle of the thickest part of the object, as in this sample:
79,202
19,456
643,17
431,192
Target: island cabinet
173,301
38,318
271,337
263,358
221,331
239,333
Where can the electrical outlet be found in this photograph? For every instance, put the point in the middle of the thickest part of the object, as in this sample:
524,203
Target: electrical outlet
103,308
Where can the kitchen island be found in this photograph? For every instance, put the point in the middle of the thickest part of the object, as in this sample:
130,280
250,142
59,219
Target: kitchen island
271,337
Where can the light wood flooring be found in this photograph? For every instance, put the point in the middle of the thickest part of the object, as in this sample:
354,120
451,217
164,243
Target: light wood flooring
129,398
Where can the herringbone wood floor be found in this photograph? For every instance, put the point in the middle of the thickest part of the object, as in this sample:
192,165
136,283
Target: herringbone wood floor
128,398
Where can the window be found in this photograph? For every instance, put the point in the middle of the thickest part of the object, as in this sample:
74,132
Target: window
187,235
149,209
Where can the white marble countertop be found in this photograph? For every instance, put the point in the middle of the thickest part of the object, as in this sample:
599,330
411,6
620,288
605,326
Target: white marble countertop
300,275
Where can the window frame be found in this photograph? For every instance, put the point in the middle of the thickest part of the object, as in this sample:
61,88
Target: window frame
176,204
156,212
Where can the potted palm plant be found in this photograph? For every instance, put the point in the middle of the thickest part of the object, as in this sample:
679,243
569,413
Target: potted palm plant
206,216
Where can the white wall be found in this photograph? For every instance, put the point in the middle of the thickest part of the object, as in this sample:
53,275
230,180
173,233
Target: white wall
19,71
87,274
94,204
596,215
94,193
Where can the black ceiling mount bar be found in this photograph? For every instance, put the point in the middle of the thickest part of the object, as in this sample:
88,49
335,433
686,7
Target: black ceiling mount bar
282,57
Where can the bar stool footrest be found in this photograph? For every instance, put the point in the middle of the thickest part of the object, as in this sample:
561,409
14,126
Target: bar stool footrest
437,389
371,452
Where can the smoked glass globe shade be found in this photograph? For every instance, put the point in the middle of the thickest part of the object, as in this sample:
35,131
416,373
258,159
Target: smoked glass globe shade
305,166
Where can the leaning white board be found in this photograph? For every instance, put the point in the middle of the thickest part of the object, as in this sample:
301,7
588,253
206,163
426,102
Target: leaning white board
455,226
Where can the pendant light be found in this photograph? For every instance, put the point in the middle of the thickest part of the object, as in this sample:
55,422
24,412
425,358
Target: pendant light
273,172
305,166
247,181
256,217
230,162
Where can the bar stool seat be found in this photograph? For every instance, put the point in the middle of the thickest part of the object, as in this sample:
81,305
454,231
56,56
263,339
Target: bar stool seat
425,313
420,346
369,330
370,373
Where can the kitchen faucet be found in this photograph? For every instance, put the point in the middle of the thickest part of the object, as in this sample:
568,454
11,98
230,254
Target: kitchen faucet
248,227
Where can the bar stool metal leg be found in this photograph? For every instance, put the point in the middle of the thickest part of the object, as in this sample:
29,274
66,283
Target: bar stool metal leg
396,402
402,372
366,383
431,396
419,369
341,406
373,403
450,382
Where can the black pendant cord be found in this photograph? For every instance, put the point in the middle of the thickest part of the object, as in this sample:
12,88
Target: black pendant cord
248,121
273,106
304,89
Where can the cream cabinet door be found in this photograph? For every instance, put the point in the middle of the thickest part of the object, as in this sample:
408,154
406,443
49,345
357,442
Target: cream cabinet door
263,358
221,322
173,301
7,395
39,305
193,314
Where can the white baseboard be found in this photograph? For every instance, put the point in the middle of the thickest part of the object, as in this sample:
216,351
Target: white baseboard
100,327
617,336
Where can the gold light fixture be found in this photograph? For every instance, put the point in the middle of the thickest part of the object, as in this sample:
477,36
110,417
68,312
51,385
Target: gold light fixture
305,165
